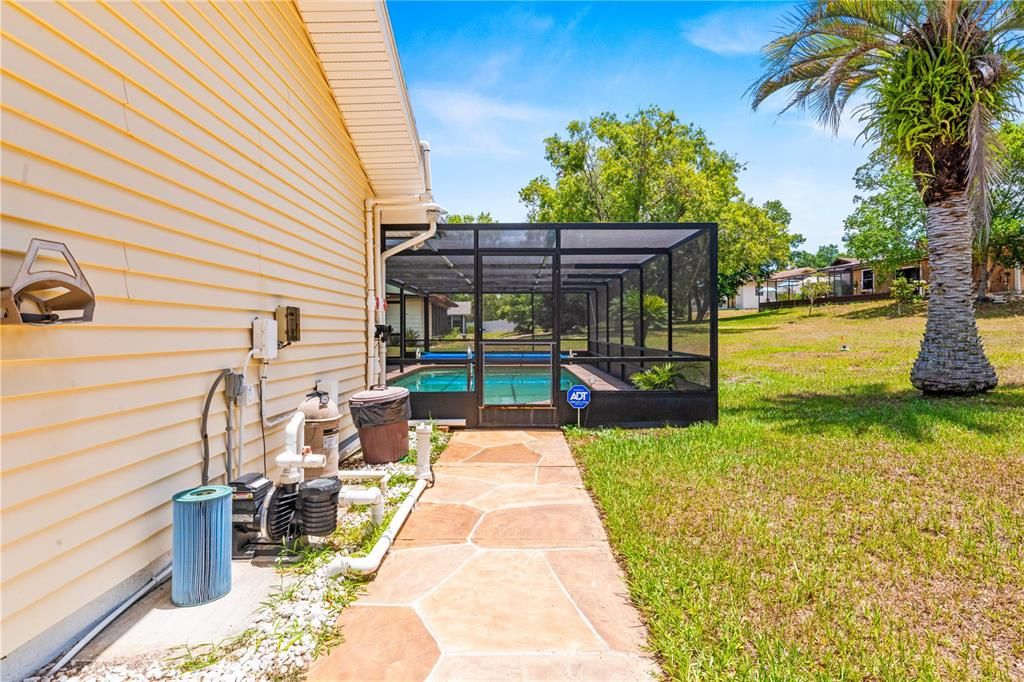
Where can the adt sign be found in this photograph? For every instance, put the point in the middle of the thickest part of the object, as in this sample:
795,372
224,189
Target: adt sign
579,396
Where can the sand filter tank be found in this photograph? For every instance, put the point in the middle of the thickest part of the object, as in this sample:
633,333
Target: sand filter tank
322,431
201,551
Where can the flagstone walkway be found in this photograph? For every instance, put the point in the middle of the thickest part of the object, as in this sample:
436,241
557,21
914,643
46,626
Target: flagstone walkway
503,572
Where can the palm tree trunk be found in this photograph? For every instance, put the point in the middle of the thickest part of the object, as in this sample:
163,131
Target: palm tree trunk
951,360
984,272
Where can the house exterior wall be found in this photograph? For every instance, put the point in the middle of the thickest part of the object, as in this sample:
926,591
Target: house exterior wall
746,297
413,316
194,160
1003,280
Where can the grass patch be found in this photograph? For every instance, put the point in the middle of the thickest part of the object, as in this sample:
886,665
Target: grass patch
834,524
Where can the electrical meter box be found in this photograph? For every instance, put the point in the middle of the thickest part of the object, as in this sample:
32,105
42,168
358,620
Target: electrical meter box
264,338
288,325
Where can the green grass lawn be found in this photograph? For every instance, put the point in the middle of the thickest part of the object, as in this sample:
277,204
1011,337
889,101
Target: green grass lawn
834,524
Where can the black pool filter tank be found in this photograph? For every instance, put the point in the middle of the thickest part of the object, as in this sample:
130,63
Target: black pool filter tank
262,515
316,509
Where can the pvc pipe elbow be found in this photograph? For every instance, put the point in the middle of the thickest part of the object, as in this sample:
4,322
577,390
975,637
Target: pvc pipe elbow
371,562
371,496
294,438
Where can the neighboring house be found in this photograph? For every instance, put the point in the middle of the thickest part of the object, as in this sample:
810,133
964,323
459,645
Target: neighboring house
851,279
461,316
867,279
426,315
784,285
204,163
746,297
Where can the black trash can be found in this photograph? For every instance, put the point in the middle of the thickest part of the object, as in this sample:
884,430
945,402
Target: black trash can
382,417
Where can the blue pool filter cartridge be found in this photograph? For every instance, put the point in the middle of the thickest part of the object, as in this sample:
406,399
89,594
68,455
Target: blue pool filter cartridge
201,552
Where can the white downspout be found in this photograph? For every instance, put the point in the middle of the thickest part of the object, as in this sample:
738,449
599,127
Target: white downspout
435,212
374,208
371,291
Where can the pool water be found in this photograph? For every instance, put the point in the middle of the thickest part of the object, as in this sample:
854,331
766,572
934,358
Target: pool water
502,385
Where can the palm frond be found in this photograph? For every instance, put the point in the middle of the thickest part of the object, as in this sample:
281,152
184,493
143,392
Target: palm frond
983,166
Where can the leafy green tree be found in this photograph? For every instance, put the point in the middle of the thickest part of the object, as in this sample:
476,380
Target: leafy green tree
887,226
650,167
1003,242
482,218
937,75
821,258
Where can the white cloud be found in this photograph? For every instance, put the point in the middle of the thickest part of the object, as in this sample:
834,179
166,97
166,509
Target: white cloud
466,123
734,31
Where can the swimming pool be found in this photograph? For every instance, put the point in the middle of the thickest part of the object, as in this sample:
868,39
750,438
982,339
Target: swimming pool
502,385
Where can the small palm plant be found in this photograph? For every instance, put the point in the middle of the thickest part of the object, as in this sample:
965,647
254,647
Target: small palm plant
937,75
654,314
658,378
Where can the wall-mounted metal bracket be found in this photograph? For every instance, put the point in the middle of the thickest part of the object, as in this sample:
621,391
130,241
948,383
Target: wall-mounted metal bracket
50,292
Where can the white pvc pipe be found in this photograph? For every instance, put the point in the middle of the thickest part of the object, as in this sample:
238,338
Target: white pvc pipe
371,496
277,420
371,562
382,477
294,433
423,433
107,620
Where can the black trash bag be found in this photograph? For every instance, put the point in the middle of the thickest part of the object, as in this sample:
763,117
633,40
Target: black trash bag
376,407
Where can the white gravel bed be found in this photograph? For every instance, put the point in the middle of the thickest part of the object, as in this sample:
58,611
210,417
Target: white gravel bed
283,643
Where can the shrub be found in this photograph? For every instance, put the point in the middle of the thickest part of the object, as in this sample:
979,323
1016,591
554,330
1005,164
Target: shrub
814,288
658,378
906,291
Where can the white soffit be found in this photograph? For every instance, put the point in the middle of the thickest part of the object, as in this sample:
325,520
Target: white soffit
357,51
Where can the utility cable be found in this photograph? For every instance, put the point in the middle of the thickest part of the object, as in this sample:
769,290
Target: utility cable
202,427
263,429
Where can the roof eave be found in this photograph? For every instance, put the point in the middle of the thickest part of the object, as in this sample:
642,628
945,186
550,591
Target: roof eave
358,57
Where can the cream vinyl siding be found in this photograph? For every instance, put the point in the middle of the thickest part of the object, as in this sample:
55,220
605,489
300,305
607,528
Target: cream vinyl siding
194,159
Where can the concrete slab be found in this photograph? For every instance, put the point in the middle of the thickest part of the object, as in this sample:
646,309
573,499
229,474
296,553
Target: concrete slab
154,624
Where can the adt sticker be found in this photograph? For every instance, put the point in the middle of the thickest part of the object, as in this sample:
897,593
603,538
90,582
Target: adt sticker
578,396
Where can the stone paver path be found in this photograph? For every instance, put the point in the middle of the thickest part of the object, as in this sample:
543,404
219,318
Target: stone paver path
503,572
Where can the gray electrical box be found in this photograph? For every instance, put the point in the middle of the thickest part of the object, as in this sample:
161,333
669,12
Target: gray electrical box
288,325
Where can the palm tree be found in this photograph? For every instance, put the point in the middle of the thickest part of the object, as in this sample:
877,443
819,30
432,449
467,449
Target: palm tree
936,76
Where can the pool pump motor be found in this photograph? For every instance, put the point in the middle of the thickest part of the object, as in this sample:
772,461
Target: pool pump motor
268,517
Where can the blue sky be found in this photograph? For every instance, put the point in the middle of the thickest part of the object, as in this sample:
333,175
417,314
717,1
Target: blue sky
489,81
